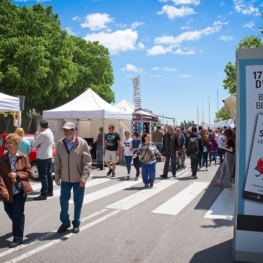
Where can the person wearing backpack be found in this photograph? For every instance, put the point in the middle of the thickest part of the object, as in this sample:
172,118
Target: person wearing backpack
194,146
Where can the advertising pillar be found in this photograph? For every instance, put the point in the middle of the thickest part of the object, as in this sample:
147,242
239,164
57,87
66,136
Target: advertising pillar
248,231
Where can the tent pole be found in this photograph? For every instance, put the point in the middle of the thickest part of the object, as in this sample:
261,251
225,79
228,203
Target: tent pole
150,131
103,147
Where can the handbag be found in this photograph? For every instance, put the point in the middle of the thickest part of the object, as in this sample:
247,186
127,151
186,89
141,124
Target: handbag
144,153
18,184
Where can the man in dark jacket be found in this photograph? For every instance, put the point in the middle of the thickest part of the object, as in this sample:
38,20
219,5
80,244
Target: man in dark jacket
194,156
171,147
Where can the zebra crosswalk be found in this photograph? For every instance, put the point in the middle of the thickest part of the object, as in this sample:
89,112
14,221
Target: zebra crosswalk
222,208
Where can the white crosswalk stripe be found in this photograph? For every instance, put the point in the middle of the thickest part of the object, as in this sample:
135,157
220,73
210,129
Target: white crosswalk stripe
224,205
89,183
141,196
174,205
107,191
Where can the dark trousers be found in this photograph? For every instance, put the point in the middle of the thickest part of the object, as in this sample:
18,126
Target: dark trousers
136,164
200,156
194,162
221,154
45,174
205,159
172,156
15,211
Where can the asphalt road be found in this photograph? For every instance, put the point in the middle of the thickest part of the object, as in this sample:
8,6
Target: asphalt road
123,222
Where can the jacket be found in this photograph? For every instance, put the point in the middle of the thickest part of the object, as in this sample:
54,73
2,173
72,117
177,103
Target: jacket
23,170
148,153
74,165
158,136
174,145
200,142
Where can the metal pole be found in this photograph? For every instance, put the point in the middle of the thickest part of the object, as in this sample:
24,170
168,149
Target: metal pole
197,115
209,108
217,102
202,111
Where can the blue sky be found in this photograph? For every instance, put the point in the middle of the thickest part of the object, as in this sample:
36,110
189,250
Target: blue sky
178,47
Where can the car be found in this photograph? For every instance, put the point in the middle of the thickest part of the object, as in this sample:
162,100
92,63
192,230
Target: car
32,154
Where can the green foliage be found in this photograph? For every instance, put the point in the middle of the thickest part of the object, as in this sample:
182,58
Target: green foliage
229,83
187,123
43,62
223,114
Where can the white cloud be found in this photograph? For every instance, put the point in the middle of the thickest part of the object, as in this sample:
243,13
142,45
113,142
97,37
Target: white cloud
249,24
185,27
70,31
184,76
76,18
184,51
130,67
163,1
186,2
120,40
97,21
136,24
173,12
141,45
156,76
246,7
167,69
157,50
190,35
120,25
226,38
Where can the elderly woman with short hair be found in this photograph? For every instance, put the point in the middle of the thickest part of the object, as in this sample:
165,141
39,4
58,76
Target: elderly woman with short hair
14,167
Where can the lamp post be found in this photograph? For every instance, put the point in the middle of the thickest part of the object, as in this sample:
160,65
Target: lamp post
209,109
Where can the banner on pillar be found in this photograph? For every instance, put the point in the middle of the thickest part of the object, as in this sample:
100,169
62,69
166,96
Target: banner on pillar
136,93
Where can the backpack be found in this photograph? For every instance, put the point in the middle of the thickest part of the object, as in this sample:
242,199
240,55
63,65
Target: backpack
193,145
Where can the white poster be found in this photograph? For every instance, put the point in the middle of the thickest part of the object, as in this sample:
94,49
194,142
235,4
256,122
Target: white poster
254,179
136,93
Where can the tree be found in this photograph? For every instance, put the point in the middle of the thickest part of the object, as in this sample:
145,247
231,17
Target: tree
223,114
187,123
45,63
229,83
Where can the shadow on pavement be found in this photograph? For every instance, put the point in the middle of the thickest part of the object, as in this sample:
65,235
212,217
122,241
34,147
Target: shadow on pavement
219,223
221,253
3,240
210,194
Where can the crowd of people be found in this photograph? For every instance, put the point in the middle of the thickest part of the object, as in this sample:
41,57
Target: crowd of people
73,163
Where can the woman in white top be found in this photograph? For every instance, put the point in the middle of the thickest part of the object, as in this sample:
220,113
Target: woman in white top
127,146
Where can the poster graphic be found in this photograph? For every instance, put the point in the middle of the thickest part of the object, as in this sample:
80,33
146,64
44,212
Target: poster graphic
254,179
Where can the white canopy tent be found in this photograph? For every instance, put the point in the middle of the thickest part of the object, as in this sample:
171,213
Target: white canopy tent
230,106
140,116
9,103
90,112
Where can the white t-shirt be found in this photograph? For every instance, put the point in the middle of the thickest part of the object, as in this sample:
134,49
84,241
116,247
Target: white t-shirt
127,144
45,141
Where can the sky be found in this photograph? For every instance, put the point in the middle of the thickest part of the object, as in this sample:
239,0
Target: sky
179,48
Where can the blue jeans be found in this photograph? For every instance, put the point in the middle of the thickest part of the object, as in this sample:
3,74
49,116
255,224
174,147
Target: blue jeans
65,192
168,156
214,157
148,173
128,160
45,174
159,147
221,153
15,211
205,157
99,154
